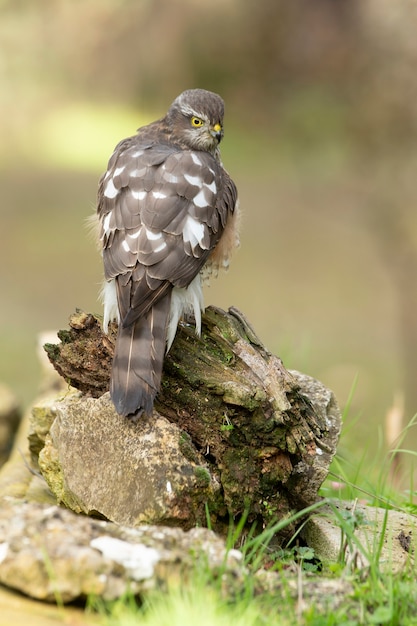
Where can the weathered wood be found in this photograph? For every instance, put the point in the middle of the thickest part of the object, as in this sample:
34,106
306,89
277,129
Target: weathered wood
268,434
84,356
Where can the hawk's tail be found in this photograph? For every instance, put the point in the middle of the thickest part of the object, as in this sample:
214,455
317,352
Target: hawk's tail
138,360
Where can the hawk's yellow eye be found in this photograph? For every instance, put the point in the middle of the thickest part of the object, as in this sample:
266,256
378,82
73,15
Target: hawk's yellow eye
196,122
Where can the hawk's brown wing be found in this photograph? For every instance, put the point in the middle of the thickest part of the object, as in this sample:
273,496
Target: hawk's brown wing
162,210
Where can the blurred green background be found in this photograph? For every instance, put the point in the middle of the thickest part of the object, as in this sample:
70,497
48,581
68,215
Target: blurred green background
321,128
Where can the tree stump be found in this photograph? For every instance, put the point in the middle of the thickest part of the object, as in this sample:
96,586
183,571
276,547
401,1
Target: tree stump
267,434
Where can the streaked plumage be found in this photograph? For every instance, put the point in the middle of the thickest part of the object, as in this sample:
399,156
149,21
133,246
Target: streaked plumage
168,216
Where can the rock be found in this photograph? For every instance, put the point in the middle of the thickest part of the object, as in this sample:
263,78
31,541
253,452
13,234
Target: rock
96,462
18,478
323,533
327,595
49,553
20,610
42,417
248,436
9,420
151,471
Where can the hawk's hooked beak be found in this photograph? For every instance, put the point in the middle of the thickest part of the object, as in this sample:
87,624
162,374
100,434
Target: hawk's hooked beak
217,132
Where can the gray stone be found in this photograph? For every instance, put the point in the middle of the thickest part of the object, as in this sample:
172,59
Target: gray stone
19,610
386,535
9,420
96,462
42,416
18,478
51,554
326,594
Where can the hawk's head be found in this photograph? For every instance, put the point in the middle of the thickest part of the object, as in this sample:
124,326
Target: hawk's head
196,119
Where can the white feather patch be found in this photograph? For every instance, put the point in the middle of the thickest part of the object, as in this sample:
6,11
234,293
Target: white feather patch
135,235
153,236
194,180
106,223
196,159
159,195
108,297
119,170
171,178
160,247
137,173
110,190
200,199
184,301
138,195
212,187
193,231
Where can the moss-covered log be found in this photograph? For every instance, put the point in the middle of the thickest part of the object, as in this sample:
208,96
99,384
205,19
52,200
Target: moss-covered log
267,434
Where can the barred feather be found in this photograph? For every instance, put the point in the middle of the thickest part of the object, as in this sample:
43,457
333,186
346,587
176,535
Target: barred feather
137,365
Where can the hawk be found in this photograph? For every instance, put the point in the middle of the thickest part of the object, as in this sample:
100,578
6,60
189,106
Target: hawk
168,220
